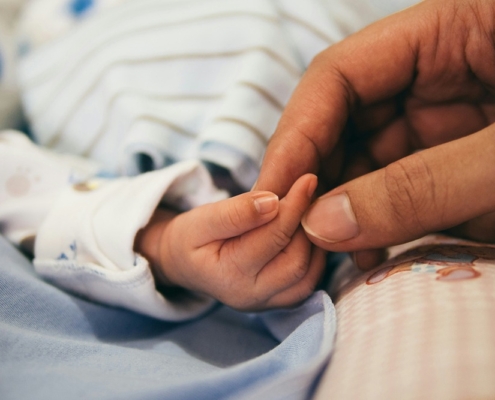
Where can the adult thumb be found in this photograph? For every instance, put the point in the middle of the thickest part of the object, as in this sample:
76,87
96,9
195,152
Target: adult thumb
426,192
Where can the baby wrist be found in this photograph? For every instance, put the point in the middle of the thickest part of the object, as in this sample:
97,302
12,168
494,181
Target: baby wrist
149,242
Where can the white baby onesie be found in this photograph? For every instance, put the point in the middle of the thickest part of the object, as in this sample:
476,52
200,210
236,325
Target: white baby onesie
137,85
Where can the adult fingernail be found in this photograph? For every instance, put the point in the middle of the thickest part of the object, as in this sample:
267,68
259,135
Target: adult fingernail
331,219
266,203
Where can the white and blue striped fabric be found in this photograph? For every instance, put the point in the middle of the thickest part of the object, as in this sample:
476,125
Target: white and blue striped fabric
116,80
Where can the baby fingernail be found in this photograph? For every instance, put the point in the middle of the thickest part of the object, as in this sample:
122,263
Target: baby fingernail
266,203
312,185
331,219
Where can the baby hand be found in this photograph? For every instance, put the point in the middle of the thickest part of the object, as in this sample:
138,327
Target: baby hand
248,251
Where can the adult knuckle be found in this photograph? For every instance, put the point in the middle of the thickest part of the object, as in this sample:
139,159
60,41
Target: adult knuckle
411,192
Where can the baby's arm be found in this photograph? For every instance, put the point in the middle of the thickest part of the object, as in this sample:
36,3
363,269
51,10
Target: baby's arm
84,226
247,251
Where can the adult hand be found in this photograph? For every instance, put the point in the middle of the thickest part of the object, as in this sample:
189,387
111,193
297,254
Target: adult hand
422,79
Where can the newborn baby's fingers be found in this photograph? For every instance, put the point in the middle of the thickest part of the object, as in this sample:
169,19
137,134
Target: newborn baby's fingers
251,251
231,217
286,280
290,266
303,288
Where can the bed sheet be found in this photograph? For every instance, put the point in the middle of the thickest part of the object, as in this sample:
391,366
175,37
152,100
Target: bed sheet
55,345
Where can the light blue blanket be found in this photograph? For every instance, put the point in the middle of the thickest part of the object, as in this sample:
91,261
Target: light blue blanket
57,346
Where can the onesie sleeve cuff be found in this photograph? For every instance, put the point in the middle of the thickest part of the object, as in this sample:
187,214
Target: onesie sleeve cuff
86,242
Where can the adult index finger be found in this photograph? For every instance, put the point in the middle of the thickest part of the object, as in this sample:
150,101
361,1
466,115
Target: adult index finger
374,64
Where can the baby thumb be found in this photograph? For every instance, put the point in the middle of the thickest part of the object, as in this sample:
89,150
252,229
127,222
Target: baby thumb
232,217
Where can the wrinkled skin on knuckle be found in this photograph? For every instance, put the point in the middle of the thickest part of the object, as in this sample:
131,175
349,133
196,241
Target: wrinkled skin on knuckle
411,193
281,238
456,50
298,267
481,20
